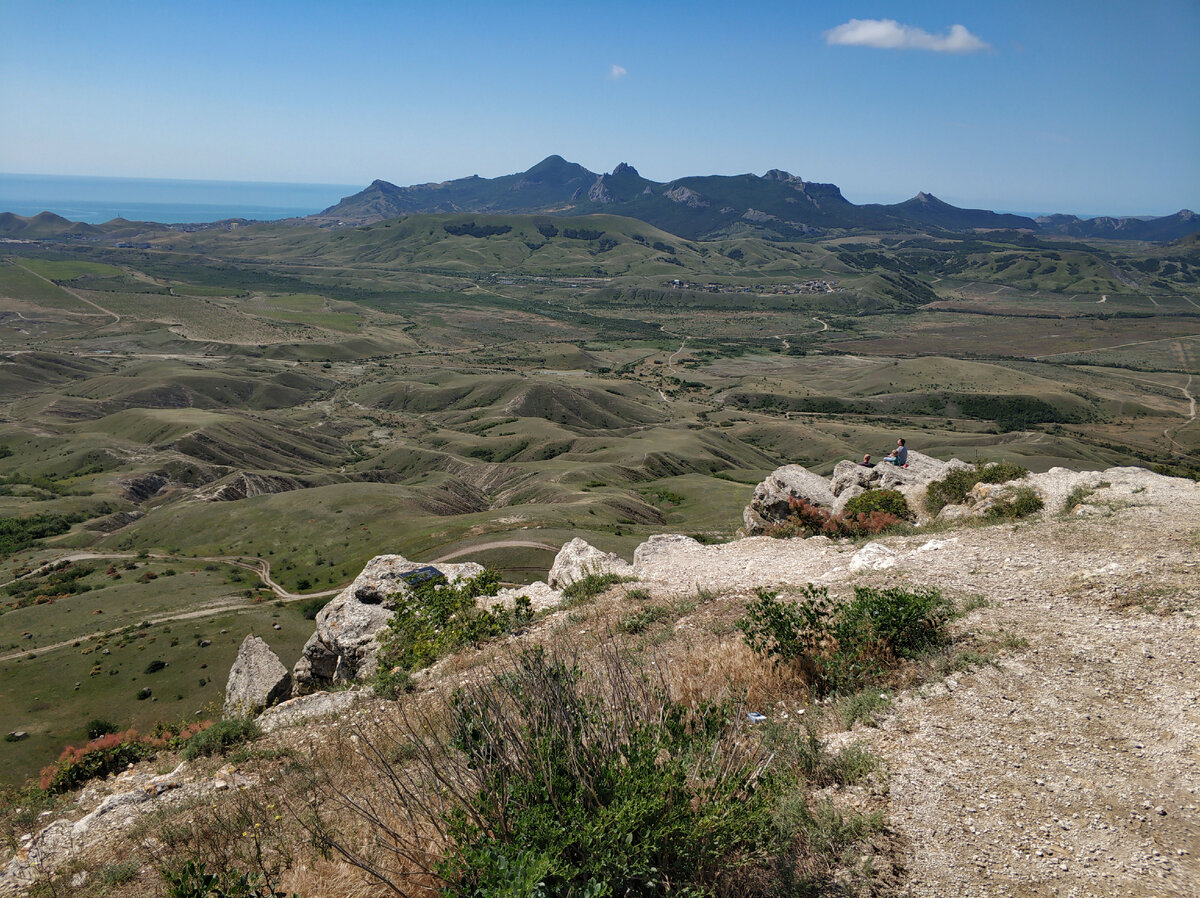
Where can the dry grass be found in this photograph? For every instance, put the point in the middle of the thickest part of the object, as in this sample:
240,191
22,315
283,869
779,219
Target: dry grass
721,669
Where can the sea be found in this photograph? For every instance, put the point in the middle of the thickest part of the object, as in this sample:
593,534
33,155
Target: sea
97,200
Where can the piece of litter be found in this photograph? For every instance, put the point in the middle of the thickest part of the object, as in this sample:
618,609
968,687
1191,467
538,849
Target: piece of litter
755,717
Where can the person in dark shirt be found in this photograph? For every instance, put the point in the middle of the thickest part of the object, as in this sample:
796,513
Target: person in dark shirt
899,456
866,462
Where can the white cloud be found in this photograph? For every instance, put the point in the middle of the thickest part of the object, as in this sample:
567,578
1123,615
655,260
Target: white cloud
888,34
617,72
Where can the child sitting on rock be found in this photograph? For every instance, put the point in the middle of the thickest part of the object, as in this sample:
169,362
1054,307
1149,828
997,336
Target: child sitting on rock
899,456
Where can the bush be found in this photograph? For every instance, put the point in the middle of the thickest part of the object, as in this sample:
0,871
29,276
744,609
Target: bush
1023,502
807,519
639,620
193,880
99,757
155,666
98,726
953,488
434,618
841,648
887,501
219,737
580,796
587,588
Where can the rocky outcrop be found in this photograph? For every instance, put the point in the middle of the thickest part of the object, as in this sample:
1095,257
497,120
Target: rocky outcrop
685,195
598,193
758,216
577,559
257,679
305,708
344,646
873,557
774,497
851,479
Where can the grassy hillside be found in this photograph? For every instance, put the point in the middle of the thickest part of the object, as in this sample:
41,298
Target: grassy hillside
447,384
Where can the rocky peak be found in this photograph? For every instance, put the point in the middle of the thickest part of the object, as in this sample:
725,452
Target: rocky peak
624,168
598,193
778,174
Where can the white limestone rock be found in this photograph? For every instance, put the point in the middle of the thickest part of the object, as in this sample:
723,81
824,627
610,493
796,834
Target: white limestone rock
873,557
309,707
257,679
578,558
774,496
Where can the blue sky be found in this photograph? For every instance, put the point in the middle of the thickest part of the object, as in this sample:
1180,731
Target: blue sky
1030,106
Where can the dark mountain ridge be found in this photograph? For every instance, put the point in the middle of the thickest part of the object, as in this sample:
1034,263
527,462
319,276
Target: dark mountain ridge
776,204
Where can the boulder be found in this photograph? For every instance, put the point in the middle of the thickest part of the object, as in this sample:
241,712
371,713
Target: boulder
873,557
661,546
310,707
577,559
849,474
773,498
257,679
344,646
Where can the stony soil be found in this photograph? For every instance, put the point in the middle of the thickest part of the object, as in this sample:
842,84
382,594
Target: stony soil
1070,767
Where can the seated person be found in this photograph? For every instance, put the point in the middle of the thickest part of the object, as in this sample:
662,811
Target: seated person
899,456
866,462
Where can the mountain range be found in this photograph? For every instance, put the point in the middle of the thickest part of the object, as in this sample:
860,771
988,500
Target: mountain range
776,205
712,206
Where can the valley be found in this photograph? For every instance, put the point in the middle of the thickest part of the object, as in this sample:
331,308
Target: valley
196,407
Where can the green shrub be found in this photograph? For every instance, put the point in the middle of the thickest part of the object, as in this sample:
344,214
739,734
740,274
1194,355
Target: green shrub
100,757
434,618
584,796
909,622
1023,502
953,488
220,736
98,726
887,501
155,666
587,588
639,620
193,880
841,648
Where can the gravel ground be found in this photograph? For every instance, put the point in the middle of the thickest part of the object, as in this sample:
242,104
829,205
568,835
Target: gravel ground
1072,766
